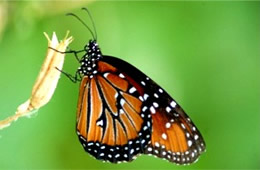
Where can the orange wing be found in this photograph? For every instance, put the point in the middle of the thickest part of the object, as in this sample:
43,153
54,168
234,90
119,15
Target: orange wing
122,113
110,122
174,136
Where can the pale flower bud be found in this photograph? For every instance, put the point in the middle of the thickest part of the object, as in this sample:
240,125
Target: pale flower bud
47,79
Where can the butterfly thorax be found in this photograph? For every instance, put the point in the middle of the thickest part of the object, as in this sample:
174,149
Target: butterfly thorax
89,61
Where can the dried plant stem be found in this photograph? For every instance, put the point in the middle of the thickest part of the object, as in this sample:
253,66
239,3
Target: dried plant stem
46,82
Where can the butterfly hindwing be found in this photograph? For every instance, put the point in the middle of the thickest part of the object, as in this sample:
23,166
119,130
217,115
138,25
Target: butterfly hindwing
174,136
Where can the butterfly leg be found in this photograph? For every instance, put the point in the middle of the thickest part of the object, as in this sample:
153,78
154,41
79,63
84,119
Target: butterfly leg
75,53
69,51
74,78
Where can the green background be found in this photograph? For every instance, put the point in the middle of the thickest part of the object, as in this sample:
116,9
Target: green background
205,54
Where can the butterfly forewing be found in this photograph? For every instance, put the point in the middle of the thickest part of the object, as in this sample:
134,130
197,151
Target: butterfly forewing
110,122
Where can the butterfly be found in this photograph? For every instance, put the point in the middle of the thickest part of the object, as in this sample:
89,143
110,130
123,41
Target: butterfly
122,112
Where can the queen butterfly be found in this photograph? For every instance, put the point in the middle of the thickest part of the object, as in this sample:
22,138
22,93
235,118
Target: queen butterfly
121,112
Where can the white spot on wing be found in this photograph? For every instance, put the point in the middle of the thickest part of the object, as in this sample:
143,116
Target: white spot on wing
121,111
100,123
156,105
164,136
146,96
183,126
144,109
189,143
121,75
81,137
122,102
173,104
106,74
141,98
168,109
168,125
152,110
90,143
132,90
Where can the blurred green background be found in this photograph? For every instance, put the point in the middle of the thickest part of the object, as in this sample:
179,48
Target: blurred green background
205,54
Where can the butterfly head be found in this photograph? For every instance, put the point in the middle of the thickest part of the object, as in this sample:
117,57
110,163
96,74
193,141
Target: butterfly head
89,60
92,49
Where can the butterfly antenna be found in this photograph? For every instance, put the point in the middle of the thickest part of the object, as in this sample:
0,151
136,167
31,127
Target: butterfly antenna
84,8
71,14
